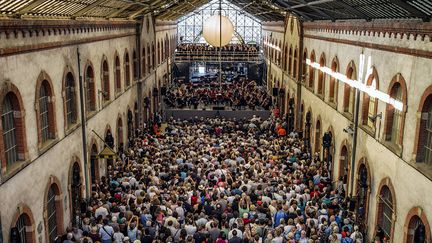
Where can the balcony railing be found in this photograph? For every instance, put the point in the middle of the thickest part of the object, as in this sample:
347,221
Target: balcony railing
213,56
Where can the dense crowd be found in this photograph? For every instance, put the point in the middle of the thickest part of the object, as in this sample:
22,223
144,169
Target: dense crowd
217,180
238,94
206,47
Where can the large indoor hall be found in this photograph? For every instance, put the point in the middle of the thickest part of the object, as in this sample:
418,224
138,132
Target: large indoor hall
215,121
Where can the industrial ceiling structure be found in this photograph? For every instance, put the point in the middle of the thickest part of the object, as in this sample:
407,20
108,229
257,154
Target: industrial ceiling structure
265,10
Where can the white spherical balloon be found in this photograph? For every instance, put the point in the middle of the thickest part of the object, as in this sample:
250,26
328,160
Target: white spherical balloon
211,30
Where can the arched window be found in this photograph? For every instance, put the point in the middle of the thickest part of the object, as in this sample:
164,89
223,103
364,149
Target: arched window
349,92
285,56
46,113
158,55
153,56
333,82
394,117
370,103
385,211
321,76
90,89
70,100
424,142
135,65
149,63
12,130
117,75
295,63
312,71
290,60
105,81
304,68
143,62
127,69
162,51
53,213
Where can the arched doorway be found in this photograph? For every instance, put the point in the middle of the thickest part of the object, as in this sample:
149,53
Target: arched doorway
343,167
94,164
75,194
130,126
22,231
307,134
416,230
136,115
53,211
120,134
363,191
318,138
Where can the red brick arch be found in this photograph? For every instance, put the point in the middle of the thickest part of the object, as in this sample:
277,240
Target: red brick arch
24,209
419,212
54,181
44,77
18,105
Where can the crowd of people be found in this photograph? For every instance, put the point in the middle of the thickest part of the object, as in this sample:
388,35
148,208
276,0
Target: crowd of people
239,94
220,181
205,47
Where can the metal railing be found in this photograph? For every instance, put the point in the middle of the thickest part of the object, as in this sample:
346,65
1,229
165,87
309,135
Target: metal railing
213,56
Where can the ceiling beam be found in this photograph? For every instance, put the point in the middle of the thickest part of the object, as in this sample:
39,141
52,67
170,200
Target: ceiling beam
413,11
29,7
353,10
118,11
136,13
88,8
309,4
295,11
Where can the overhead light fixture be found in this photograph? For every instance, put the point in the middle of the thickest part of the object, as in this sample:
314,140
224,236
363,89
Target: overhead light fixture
218,30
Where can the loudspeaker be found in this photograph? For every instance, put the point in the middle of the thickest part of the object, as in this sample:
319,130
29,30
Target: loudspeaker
275,91
218,108
163,91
